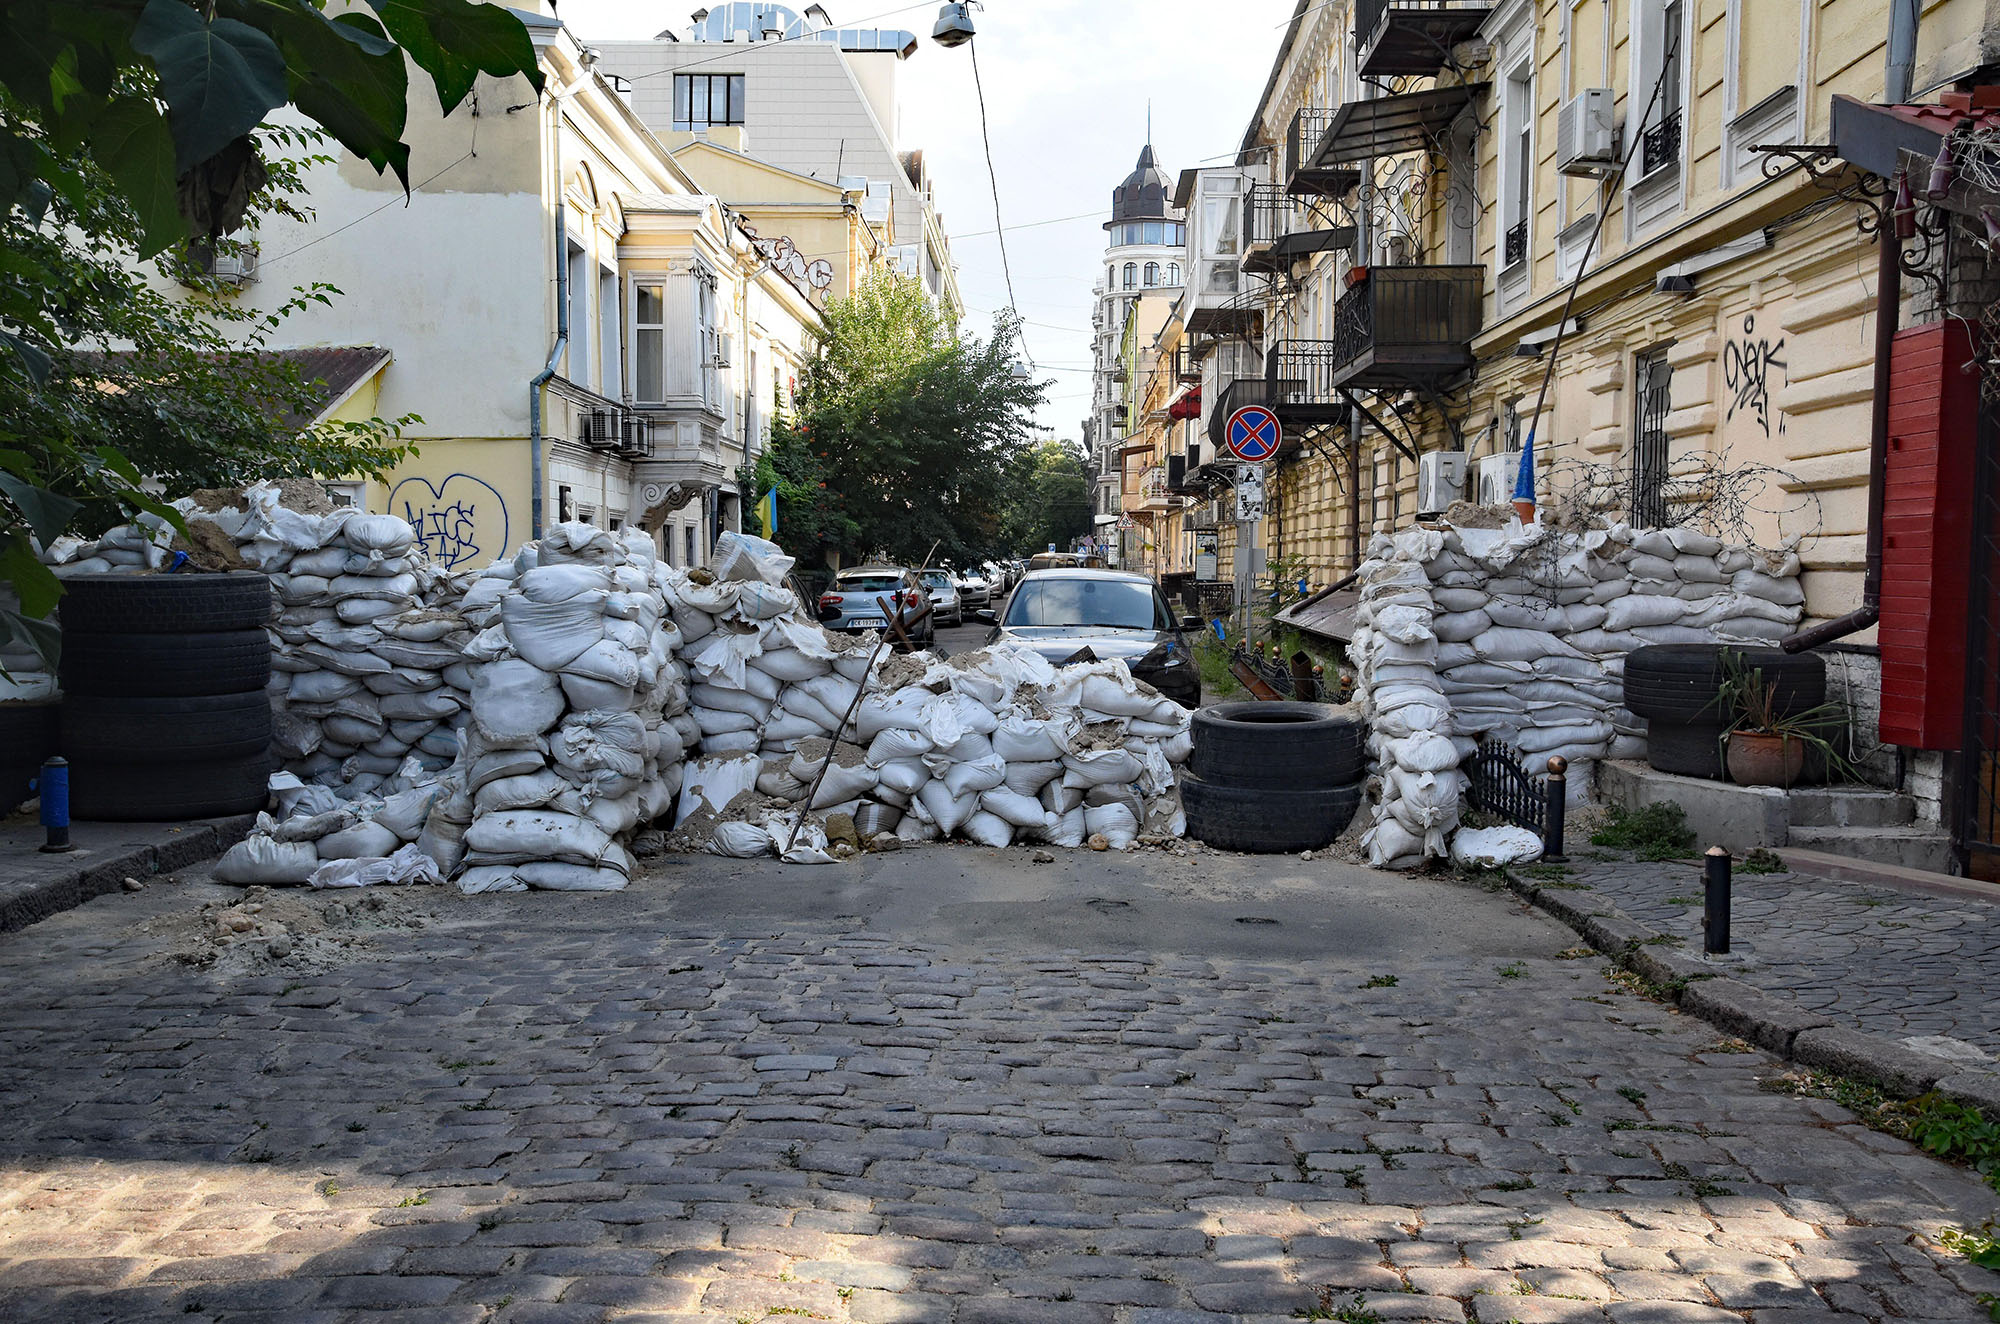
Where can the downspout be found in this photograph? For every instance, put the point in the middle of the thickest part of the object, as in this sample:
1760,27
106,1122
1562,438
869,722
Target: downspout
561,347
1902,60
1898,213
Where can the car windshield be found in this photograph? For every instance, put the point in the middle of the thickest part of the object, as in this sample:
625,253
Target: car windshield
937,579
882,583
1119,604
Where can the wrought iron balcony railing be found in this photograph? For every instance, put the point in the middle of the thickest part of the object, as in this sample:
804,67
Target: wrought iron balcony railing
1412,37
1660,145
1514,247
1303,381
1400,325
1305,173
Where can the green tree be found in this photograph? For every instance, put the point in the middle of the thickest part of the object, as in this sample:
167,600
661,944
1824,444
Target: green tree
131,127
915,429
1051,499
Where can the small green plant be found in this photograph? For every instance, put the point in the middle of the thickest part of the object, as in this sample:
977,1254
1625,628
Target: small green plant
412,1201
1953,1131
1760,860
504,1302
357,1126
454,1063
1380,981
1748,704
330,1190
792,1156
845,1293
1353,1178
1355,1311
1514,970
1632,1094
1212,656
1657,832
1683,900
1303,1168
1513,1184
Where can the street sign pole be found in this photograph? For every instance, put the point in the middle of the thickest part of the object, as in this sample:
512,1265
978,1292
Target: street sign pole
1253,435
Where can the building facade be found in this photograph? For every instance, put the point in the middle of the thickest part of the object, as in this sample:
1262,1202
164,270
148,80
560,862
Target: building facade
792,90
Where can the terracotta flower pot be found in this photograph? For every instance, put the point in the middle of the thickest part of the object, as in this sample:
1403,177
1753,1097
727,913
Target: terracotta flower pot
1756,758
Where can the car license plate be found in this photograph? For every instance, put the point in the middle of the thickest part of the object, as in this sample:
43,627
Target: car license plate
868,622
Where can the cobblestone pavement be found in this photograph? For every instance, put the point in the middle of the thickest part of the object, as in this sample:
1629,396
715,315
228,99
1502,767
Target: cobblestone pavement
1896,962
580,1108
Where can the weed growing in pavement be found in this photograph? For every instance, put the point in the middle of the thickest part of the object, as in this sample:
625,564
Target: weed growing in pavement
504,1302
792,1156
1547,872
1515,1226
454,1063
1304,1168
1353,1178
412,1201
1355,1311
1701,1188
1632,1094
487,1222
1183,1077
1576,1109
1729,1044
1683,900
1953,1131
330,1190
1760,860
357,1126
1982,1247
1380,981
1657,832
1513,1184
1513,970
1576,953
845,1294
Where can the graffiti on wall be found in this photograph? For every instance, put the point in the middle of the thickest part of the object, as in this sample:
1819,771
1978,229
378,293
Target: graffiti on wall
782,253
459,521
1747,365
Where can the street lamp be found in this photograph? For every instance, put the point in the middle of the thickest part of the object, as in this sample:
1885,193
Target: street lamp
954,25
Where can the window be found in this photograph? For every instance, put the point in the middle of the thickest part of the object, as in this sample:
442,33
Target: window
1653,379
702,100
1155,232
1661,61
1152,274
607,332
1113,604
578,367
1173,273
649,341
690,561
1131,275
1517,142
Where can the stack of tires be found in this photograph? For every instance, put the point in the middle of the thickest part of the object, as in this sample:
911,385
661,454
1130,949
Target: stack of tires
1267,778
28,735
1675,687
165,714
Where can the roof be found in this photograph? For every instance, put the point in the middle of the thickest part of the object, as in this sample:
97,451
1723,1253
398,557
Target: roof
1873,136
337,370
1393,125
679,204
1143,195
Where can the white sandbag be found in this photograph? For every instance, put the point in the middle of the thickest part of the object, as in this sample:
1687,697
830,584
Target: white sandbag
711,783
404,813
559,876
583,693
1030,778
790,665
363,841
740,556
1755,584
531,790
1021,739
715,721
740,841
1635,610
513,698
915,829
842,784
443,841
970,778
1014,807
389,534
1391,845
1412,718
490,878
946,810
1116,823
1458,627
904,776
1068,830
407,865
1100,767
786,728
523,835
906,708
894,743
988,829
552,635
1512,645
261,860
1424,752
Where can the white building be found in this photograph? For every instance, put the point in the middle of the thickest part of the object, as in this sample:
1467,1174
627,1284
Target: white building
795,91
1144,251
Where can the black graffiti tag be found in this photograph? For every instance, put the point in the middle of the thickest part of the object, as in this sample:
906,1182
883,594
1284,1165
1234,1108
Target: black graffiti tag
1746,371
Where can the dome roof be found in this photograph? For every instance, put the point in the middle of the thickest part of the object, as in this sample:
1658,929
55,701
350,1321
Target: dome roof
1143,195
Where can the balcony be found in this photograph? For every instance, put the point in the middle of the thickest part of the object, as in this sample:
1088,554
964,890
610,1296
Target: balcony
1243,391
1307,174
1302,377
1276,232
1395,125
1403,38
1187,367
1399,327
1514,245
1660,145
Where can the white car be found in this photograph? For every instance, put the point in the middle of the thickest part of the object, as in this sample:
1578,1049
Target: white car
974,589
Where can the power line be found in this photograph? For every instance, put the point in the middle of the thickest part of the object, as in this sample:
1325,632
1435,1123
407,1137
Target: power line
405,200
993,178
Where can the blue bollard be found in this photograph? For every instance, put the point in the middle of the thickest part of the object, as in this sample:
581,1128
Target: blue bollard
53,787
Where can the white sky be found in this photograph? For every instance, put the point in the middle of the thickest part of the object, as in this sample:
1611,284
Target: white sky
1067,83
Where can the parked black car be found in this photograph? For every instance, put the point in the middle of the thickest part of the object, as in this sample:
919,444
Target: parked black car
1113,614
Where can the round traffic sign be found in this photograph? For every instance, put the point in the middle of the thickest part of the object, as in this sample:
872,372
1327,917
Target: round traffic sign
1253,434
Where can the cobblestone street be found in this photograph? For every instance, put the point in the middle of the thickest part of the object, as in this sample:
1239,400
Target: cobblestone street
1897,962
1241,1091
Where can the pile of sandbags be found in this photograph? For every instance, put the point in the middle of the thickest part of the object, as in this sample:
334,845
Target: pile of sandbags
324,839
578,717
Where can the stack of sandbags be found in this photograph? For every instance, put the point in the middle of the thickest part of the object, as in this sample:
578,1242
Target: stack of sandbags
575,738
1395,651
320,838
138,548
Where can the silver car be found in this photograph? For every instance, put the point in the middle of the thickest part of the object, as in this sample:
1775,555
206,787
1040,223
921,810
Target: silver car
947,608
1061,612
853,602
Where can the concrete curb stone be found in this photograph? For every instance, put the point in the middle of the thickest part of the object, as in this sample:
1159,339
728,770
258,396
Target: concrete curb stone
1765,1019
102,871
1872,1057
1975,1089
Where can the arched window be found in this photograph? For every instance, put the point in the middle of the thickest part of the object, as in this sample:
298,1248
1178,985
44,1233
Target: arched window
1173,273
1131,275
1152,273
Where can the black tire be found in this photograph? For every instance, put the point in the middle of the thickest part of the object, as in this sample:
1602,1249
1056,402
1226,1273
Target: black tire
1285,746
29,734
165,604
1679,682
164,732
165,665
111,792
1686,749
1266,822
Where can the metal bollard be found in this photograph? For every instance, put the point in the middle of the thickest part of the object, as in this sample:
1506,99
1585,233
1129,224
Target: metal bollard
1557,791
1715,902
53,787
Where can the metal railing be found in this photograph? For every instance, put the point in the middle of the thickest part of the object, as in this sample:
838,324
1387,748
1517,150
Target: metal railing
1660,145
1500,784
1269,214
1422,313
1301,372
1302,140
1368,13
1514,248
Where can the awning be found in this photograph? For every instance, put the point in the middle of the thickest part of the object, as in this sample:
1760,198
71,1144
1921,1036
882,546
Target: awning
1882,139
1188,406
1135,447
1328,614
1393,126
1298,245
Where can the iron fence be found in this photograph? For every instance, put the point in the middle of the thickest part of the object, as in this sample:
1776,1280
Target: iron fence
1424,313
1515,247
1660,145
1501,786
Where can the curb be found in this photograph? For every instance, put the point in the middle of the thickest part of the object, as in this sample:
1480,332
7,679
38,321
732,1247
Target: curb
1771,1021
98,872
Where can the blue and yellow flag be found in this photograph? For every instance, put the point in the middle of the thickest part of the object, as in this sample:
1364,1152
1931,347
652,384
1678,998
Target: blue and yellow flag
767,512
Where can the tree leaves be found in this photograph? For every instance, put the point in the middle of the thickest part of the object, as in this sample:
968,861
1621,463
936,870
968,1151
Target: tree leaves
48,513
134,144
219,78
454,40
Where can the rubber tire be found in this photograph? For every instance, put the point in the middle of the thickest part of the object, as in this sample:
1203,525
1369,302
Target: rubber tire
1266,822
1687,749
1283,745
1679,682
165,604
165,731
168,792
165,665
29,734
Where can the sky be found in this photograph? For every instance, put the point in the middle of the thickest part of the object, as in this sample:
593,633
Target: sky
1067,84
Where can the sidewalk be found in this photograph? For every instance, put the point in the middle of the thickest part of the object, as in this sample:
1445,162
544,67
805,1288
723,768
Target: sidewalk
1914,970
34,886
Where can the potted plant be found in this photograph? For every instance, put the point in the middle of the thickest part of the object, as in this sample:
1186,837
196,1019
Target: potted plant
1763,744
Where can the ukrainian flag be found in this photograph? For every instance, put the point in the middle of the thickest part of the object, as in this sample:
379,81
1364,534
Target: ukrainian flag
767,513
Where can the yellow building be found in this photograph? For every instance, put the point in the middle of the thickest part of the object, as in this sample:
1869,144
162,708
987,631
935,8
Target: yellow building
812,230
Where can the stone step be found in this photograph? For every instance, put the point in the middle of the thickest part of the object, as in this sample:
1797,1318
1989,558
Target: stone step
1910,847
1849,806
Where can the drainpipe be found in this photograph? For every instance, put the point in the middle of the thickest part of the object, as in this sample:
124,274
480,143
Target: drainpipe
561,347
1902,59
1898,216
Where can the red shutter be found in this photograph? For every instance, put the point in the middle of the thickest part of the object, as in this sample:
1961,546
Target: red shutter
1927,535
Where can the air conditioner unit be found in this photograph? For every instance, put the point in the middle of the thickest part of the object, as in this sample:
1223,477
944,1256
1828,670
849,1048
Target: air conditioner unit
724,343
601,429
1587,133
237,267
1440,481
1495,486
